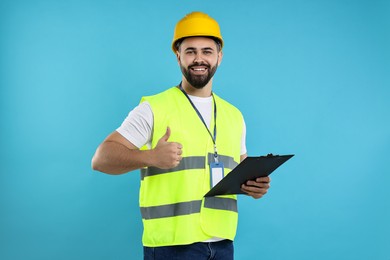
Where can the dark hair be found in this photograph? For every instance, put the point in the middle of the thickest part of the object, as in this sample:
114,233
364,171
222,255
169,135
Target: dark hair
217,41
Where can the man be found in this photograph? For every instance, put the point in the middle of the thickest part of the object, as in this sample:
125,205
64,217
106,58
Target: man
172,137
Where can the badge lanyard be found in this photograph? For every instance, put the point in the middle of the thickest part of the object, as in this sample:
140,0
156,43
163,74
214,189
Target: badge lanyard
216,167
213,137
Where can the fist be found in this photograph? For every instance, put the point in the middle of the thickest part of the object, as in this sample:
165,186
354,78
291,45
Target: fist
167,154
257,188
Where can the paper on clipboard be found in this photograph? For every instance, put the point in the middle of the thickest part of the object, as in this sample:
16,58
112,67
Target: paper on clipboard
249,169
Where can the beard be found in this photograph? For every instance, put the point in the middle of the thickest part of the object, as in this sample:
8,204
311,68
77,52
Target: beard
198,81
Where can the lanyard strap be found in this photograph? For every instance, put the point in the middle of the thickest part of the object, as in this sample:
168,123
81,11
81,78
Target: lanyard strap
213,137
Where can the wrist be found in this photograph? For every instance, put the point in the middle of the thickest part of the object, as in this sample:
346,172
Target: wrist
150,158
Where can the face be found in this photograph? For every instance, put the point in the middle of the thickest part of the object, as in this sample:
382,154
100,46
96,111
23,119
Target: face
199,59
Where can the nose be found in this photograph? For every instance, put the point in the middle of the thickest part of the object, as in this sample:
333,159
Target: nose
198,58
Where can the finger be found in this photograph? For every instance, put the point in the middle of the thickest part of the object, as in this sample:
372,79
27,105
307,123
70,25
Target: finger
258,184
255,195
251,189
177,163
174,145
263,179
166,136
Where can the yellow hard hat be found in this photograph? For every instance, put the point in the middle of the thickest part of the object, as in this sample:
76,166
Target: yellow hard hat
196,24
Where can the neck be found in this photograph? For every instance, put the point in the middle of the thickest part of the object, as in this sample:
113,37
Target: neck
190,90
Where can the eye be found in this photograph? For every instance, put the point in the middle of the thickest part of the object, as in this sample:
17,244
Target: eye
190,52
207,52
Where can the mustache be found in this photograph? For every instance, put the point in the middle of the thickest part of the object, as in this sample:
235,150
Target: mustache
198,64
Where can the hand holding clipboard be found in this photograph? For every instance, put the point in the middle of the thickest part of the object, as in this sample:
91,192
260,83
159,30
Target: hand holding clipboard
249,169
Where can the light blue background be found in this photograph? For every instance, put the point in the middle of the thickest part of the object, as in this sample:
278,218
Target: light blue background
311,77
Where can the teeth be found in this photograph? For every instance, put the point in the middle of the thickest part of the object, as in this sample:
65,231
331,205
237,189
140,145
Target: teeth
199,69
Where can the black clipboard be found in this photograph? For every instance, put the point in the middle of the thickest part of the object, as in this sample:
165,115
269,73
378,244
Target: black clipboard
249,169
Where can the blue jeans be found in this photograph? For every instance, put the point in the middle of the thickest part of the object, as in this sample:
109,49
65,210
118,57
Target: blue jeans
222,250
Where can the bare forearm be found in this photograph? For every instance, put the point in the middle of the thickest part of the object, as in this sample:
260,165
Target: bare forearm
115,158
116,155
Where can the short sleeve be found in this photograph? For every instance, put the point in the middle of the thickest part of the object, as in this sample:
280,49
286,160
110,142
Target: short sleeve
138,125
243,137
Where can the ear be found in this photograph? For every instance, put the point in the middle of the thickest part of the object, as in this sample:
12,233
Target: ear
220,56
178,56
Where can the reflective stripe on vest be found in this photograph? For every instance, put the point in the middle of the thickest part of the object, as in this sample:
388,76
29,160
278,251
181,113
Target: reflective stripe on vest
228,162
190,163
190,207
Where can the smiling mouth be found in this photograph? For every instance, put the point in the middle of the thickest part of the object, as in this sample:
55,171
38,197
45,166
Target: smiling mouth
199,70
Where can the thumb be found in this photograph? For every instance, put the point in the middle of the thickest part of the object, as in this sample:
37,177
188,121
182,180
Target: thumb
166,136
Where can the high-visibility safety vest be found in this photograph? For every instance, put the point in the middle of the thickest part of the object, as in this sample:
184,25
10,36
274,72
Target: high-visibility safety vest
173,209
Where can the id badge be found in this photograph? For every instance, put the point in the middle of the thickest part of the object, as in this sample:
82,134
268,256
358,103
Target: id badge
216,173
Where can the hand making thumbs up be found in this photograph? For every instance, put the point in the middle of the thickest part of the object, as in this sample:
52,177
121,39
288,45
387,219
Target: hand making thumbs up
167,154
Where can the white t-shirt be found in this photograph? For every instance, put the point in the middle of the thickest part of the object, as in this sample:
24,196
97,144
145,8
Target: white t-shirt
138,125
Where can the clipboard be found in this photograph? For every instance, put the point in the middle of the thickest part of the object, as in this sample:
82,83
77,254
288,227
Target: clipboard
249,169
